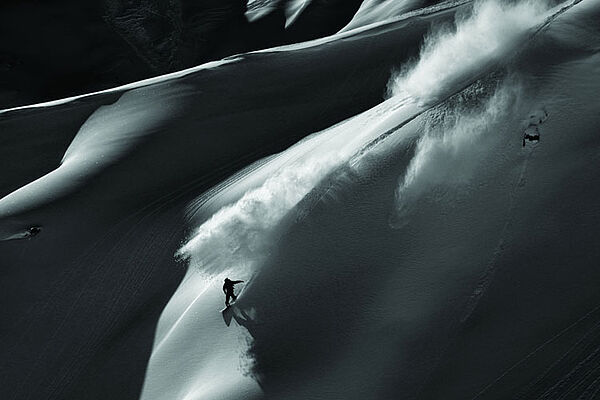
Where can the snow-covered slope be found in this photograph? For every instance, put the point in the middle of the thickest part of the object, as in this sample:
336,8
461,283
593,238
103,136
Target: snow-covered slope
360,286
82,297
410,248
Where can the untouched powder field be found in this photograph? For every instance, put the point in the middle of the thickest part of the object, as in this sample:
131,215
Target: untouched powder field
398,235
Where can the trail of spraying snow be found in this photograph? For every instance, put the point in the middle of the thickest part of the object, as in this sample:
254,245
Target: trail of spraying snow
241,234
456,141
451,56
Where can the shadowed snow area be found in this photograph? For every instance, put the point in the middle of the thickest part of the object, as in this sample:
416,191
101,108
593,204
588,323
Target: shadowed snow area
415,246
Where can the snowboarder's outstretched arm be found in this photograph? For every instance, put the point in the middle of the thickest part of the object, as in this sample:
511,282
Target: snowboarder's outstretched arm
234,282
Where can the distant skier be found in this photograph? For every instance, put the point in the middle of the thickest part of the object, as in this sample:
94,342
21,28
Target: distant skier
32,231
228,290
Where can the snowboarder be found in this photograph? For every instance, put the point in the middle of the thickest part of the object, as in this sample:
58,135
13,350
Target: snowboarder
228,290
532,134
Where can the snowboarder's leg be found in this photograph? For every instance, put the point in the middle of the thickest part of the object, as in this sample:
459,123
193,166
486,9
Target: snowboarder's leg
227,297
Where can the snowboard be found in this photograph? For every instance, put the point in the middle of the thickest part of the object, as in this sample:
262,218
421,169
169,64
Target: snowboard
227,307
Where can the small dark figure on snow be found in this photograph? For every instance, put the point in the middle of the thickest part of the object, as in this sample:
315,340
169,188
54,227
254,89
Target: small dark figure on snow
32,231
228,290
532,134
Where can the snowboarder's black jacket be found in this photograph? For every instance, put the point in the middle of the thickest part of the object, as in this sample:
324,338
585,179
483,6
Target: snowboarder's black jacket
228,285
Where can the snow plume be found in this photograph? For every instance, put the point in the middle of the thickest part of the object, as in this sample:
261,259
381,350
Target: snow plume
457,138
452,55
242,234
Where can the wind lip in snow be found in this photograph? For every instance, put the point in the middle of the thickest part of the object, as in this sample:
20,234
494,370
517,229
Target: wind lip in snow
128,86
